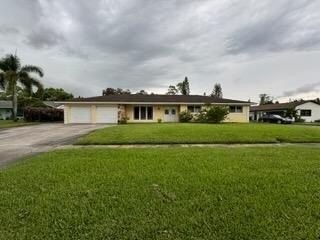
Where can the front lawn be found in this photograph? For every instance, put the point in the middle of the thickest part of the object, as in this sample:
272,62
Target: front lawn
9,123
166,193
202,133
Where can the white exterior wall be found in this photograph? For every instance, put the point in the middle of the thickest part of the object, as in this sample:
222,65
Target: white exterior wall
315,111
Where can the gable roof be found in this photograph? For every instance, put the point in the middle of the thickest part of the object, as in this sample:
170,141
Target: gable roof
278,106
157,98
5,104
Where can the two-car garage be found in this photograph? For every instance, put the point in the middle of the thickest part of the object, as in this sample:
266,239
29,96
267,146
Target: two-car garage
91,114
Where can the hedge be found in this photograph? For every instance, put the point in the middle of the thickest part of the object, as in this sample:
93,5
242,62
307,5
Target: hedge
39,114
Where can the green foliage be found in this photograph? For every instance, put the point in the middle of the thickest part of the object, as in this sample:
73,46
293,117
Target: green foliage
12,74
185,116
159,120
213,114
124,120
54,94
174,193
291,113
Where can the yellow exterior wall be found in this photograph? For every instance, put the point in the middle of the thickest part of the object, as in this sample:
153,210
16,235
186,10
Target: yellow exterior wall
158,113
239,117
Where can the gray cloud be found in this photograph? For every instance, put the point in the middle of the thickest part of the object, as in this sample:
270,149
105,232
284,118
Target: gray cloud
8,30
280,26
44,38
150,44
307,88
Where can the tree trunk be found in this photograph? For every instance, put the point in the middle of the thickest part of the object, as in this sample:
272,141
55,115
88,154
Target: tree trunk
14,102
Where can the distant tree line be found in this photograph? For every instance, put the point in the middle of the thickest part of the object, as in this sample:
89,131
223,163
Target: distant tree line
181,88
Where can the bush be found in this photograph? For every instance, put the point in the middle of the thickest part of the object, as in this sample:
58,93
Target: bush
213,114
185,116
298,119
317,121
159,120
33,114
123,120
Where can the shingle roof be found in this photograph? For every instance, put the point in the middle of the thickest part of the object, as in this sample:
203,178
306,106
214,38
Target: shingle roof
5,104
277,106
157,99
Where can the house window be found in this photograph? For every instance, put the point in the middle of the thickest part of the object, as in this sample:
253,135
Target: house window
305,113
235,109
143,113
136,113
194,108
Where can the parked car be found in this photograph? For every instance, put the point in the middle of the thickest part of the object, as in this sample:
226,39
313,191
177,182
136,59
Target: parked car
272,118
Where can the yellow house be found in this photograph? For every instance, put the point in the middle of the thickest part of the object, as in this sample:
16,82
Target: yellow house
146,108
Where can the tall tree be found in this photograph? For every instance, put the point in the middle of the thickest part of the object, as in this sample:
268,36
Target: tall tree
172,90
217,91
183,87
13,74
115,91
265,99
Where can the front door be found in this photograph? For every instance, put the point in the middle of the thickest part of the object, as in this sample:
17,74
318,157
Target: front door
171,114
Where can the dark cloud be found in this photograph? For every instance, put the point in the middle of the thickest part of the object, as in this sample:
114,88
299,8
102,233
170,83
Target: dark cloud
8,30
150,44
44,38
282,25
307,88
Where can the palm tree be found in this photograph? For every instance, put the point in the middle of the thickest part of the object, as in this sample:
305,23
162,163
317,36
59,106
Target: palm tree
13,74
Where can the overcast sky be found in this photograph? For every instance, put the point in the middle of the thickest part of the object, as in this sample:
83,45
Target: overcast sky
248,46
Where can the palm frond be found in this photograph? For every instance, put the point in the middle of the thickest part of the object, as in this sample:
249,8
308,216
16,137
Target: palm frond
10,63
32,69
29,82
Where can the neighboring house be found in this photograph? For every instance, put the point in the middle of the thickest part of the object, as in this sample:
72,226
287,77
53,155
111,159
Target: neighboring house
5,110
53,104
308,110
146,108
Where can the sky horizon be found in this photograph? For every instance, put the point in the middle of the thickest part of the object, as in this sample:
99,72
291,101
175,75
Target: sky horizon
249,47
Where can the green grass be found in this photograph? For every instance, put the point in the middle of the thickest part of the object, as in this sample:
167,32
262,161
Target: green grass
202,133
166,193
9,123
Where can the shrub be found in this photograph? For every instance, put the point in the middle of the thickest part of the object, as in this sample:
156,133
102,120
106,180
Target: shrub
185,116
317,121
159,120
33,114
213,114
123,120
298,119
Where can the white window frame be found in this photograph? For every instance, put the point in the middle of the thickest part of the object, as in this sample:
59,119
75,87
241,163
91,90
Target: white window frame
237,109
139,106
194,108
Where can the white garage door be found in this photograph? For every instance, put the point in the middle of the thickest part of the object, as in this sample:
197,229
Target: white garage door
80,115
107,114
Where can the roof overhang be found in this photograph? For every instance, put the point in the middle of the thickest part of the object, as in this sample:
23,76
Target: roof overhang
155,103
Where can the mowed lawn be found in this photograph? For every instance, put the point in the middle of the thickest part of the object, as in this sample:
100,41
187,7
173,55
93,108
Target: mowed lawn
164,193
202,133
9,123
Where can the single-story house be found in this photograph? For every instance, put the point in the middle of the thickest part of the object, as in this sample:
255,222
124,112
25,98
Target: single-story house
309,110
146,108
5,109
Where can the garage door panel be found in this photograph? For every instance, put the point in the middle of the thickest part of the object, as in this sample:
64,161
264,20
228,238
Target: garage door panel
80,115
107,114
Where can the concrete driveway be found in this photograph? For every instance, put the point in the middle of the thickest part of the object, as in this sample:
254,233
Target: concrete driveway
20,142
